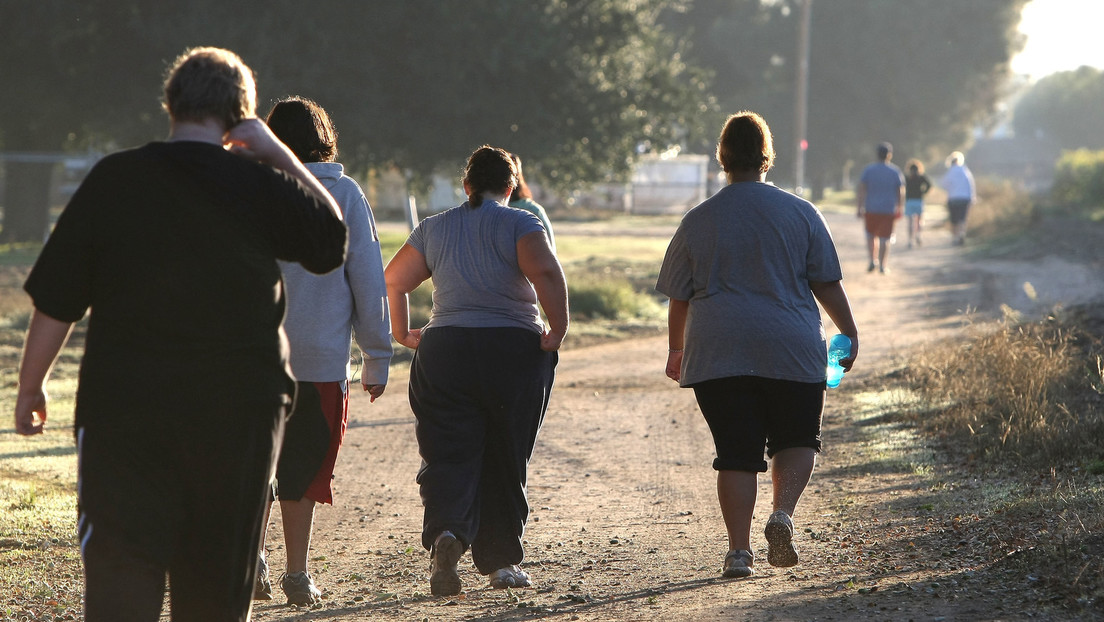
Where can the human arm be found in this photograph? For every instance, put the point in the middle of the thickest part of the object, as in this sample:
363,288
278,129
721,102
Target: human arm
364,274
45,338
676,335
404,273
832,296
253,139
899,208
539,264
860,199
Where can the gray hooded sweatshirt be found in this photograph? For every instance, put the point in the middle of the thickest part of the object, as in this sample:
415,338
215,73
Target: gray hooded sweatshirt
325,312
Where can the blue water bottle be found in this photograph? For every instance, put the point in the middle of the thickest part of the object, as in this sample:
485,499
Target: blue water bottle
838,348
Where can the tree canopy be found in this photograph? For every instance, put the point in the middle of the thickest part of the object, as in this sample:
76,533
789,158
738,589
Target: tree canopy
577,87
920,75
1066,107
574,85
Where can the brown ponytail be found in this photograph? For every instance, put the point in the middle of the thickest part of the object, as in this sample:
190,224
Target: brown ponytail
489,169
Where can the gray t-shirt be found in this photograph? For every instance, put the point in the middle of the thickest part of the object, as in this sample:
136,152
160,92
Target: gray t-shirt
744,259
472,256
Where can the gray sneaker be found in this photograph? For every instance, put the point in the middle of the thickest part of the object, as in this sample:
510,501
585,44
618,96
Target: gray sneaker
737,564
510,576
445,554
262,586
779,532
300,589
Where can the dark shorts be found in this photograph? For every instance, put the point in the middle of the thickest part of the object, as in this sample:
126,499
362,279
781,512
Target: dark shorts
311,442
957,209
879,225
747,414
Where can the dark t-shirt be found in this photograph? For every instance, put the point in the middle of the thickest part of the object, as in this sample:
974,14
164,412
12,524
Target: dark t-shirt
916,186
173,246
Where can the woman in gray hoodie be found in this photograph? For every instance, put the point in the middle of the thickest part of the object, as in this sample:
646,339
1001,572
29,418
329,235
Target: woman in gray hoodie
324,313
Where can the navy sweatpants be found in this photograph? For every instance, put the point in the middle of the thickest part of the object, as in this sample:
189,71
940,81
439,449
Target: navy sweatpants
479,396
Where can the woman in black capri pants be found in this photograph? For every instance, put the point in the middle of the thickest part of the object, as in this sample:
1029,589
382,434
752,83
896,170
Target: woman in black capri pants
745,271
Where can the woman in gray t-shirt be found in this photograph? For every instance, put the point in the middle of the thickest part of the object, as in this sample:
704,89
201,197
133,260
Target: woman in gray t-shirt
744,272
482,371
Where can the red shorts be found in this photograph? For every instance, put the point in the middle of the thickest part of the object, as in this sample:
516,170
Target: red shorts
311,441
879,225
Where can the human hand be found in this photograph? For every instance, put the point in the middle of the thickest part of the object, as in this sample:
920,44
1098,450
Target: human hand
30,412
374,390
411,339
551,342
847,362
674,365
253,139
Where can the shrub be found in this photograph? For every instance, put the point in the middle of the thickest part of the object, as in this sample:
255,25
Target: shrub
1079,180
1029,393
1003,207
608,300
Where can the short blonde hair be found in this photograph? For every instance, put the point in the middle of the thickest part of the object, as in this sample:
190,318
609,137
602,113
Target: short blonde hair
208,82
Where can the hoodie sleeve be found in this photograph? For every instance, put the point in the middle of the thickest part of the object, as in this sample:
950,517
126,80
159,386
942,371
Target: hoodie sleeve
364,270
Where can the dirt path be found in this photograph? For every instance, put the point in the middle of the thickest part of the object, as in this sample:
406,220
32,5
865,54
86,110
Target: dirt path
625,523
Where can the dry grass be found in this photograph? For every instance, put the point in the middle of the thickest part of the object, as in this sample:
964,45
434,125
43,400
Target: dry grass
1024,403
1024,393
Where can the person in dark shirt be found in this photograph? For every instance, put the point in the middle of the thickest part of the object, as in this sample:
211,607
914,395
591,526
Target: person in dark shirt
184,385
917,185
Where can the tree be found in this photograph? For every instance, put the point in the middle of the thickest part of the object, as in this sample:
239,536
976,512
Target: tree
574,87
920,75
1064,107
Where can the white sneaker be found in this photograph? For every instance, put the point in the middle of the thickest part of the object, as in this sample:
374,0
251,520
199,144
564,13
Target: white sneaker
510,576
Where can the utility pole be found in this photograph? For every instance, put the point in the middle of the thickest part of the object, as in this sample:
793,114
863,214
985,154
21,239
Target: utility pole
801,92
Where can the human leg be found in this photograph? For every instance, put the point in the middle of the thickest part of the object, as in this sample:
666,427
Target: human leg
297,584
736,491
315,432
262,587
450,431
298,519
870,247
956,209
883,253
734,411
792,445
791,470
517,383
229,462
121,520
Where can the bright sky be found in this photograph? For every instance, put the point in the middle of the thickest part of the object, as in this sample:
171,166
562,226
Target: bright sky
1061,35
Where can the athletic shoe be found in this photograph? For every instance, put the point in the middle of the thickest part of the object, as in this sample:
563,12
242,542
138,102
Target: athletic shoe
737,564
300,589
445,554
262,587
779,533
510,576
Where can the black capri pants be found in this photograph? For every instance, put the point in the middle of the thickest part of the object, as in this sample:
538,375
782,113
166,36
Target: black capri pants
747,414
